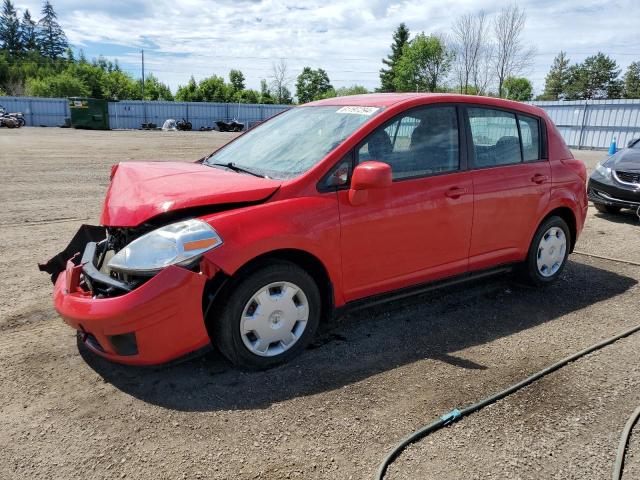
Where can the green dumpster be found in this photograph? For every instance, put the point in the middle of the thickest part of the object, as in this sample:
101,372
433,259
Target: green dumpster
90,113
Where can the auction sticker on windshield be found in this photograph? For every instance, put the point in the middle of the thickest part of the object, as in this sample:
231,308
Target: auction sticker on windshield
358,110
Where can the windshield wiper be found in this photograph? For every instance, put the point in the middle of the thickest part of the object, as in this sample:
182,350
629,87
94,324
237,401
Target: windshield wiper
236,168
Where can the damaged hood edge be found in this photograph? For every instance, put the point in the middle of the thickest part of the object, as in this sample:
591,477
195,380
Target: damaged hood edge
140,191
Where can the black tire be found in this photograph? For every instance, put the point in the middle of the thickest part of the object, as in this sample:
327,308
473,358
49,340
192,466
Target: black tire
602,208
529,272
225,326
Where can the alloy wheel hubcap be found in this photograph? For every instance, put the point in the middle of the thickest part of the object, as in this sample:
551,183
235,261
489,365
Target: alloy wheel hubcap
274,319
551,251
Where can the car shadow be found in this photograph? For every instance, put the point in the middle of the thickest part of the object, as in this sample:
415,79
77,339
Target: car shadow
369,341
626,216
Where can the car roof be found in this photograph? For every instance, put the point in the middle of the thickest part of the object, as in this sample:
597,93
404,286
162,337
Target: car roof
389,99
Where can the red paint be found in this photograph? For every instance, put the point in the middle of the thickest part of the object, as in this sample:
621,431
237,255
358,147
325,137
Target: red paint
165,313
142,190
371,239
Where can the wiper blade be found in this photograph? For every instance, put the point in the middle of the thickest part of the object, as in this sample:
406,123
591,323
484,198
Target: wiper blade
236,168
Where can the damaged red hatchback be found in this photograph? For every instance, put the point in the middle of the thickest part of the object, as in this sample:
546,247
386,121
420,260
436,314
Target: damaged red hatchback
329,205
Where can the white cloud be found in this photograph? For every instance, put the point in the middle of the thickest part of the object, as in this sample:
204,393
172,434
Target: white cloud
347,38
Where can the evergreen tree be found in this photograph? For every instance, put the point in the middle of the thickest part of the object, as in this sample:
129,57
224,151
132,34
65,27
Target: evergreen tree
10,34
556,81
387,75
28,32
51,38
632,81
595,78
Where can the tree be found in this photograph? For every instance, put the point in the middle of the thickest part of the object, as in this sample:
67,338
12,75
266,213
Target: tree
632,81
236,77
154,89
213,89
280,80
511,55
555,84
61,85
10,34
352,90
28,32
265,93
520,89
51,37
423,65
246,96
118,85
470,33
595,78
387,75
189,92
312,84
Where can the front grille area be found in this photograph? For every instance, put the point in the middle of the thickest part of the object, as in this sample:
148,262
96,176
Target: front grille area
629,177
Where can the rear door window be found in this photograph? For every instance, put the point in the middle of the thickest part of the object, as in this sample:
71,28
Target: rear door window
495,137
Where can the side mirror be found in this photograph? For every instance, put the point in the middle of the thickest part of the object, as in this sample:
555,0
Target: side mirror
367,176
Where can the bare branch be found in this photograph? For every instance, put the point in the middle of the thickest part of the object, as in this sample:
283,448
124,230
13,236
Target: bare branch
280,79
471,36
511,57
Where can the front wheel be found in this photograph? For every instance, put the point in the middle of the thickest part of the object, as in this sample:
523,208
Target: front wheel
268,317
548,252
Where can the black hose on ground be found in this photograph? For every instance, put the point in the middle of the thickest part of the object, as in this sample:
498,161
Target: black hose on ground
456,414
622,446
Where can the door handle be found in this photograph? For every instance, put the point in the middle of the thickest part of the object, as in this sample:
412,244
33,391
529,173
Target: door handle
539,178
455,192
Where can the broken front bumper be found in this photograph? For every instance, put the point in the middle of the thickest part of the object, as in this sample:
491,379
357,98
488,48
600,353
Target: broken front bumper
157,322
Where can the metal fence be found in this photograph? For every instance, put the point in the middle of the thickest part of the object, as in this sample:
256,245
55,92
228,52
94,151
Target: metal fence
594,123
130,114
51,112
48,112
583,124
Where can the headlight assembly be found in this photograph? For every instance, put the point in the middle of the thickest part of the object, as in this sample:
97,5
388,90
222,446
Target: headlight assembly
603,170
176,244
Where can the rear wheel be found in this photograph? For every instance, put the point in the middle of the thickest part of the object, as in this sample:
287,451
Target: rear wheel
268,317
601,207
548,252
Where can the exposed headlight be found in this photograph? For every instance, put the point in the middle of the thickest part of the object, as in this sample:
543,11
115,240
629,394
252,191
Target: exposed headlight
175,244
603,170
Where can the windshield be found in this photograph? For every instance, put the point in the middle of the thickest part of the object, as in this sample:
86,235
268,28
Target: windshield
294,141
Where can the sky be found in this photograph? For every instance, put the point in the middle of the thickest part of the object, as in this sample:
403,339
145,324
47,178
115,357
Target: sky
347,38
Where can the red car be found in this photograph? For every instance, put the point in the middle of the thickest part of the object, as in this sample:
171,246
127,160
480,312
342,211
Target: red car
328,205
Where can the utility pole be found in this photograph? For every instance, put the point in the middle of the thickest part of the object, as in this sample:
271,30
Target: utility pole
142,74
144,105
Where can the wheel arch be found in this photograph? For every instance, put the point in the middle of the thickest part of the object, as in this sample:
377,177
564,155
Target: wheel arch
569,217
218,289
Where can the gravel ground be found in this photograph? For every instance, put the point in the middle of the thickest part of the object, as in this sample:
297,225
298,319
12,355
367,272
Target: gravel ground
67,414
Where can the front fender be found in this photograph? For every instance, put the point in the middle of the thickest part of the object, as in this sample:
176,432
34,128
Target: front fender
309,224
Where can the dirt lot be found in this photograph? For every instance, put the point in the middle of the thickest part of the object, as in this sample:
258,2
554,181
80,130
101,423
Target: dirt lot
370,378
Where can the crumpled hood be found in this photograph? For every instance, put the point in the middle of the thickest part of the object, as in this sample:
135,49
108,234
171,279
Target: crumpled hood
142,190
